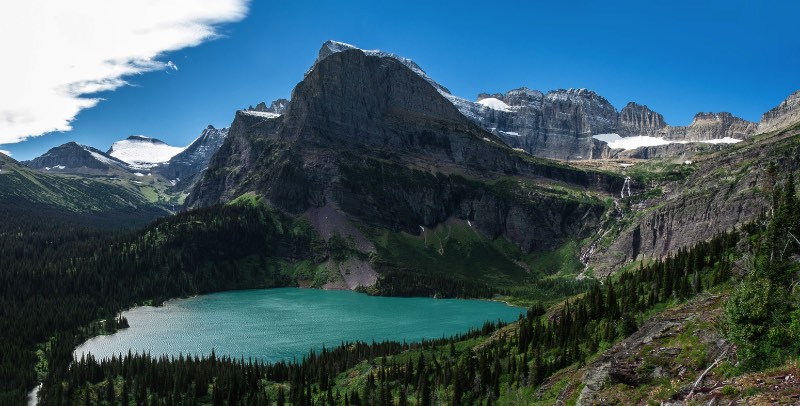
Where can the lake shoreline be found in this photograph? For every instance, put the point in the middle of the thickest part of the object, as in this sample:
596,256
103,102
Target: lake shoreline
355,297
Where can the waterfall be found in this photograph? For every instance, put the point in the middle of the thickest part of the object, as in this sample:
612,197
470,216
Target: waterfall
626,187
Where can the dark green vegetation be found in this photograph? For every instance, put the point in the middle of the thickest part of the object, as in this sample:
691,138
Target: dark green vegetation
65,285
483,367
763,314
455,260
96,200
62,283
57,279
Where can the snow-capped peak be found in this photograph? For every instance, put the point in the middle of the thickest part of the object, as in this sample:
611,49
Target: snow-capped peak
143,152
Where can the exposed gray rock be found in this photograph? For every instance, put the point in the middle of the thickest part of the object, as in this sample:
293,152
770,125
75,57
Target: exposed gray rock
636,119
675,150
368,132
184,168
724,191
559,124
785,114
711,126
277,106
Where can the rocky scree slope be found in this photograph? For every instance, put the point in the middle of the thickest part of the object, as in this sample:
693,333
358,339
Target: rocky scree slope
370,136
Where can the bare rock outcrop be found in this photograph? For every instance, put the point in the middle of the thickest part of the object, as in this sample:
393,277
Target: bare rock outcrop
712,126
636,119
785,114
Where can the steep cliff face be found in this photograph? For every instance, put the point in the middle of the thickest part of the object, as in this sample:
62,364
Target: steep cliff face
785,114
278,106
561,123
370,135
726,189
556,125
712,126
636,119
676,150
184,168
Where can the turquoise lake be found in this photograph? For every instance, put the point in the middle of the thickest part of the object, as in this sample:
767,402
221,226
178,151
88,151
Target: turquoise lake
281,324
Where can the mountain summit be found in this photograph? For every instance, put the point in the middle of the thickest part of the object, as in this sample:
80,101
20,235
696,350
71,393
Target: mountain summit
367,136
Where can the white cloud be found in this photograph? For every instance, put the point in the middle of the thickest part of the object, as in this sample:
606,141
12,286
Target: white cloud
171,65
2,151
57,53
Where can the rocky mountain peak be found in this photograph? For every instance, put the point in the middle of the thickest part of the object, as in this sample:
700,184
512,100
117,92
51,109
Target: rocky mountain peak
708,126
369,136
636,119
184,168
72,157
331,47
278,107
516,97
352,92
783,115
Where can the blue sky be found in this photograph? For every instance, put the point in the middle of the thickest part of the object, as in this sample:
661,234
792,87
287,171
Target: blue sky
679,58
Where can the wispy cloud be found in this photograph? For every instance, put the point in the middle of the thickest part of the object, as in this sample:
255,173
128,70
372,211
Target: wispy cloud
57,53
2,151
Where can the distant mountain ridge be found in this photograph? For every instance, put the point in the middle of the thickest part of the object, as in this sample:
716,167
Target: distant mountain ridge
136,156
78,159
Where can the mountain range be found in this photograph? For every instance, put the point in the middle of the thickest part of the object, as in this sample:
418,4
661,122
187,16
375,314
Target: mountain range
357,113
374,177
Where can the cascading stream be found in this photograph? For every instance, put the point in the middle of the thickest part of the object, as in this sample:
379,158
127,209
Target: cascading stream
626,187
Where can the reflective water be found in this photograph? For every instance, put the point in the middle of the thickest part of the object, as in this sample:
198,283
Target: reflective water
280,324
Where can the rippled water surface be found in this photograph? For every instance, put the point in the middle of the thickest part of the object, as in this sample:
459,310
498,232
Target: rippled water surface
279,324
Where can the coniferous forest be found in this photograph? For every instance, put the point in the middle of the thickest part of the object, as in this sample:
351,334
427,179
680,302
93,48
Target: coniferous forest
62,284
446,371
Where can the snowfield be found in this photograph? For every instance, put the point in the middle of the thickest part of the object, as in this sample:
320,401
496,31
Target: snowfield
264,114
615,141
494,104
144,152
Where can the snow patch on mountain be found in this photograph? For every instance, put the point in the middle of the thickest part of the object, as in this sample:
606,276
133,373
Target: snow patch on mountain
494,104
726,140
143,152
615,141
264,114
100,157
